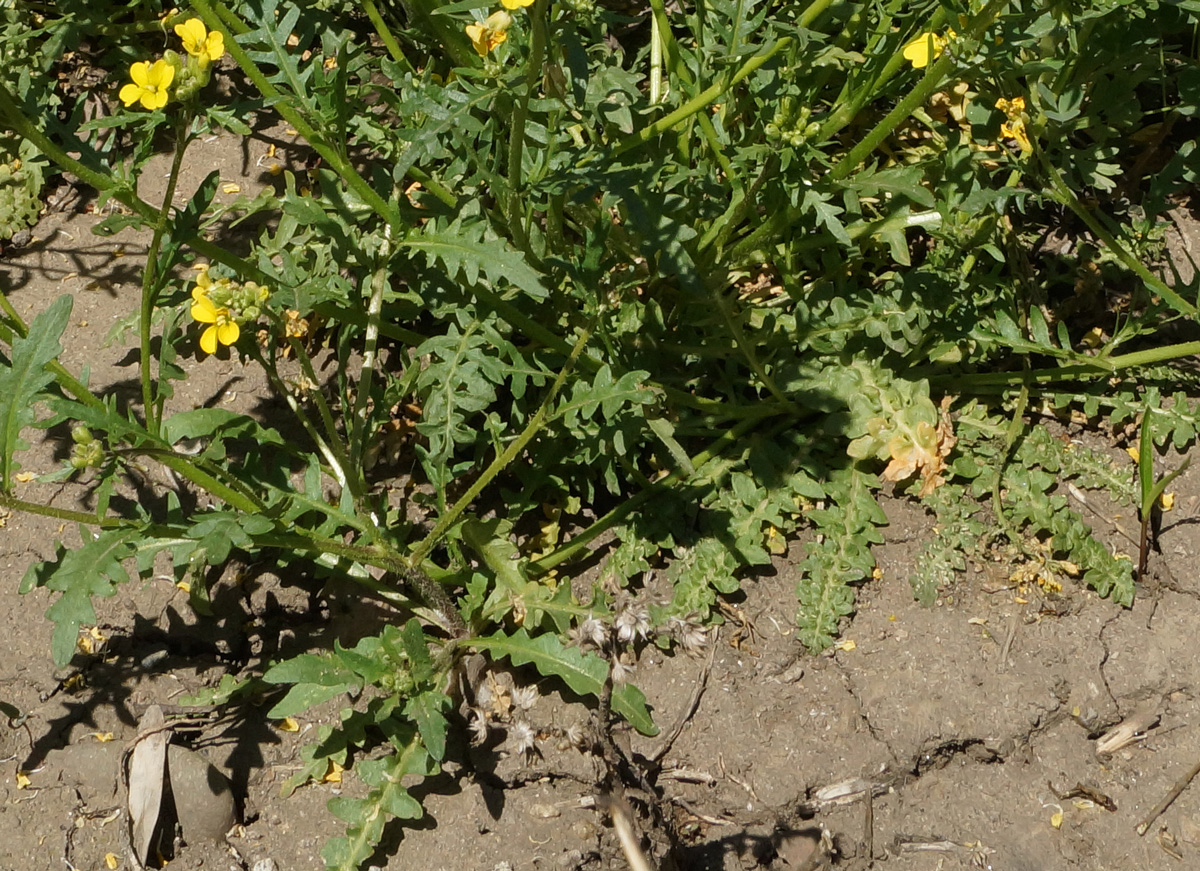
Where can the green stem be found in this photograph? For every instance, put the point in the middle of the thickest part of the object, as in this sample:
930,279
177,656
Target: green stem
385,35
656,51
230,496
812,11
366,371
434,186
280,103
931,81
502,460
699,102
934,76
151,280
65,515
739,340
1064,195
268,365
1103,366
520,117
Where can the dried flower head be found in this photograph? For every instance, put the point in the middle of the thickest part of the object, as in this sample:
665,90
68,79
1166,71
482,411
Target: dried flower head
521,739
525,697
621,672
574,734
690,636
591,633
633,623
478,727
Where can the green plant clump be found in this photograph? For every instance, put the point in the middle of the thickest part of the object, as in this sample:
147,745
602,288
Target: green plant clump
544,281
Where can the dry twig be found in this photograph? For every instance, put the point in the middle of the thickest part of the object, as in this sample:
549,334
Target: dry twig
1157,810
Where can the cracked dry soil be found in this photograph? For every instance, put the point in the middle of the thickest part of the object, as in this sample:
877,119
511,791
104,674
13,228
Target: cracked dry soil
969,724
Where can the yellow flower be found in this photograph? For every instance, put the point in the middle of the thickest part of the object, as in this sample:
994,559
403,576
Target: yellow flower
926,47
222,329
1012,108
1014,127
199,43
150,84
516,4
488,34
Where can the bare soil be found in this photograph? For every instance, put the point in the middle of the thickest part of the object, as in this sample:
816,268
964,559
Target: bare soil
967,722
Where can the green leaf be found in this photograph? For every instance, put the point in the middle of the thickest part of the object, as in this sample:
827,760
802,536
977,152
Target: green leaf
428,711
416,647
463,251
210,422
187,221
23,380
582,672
303,696
93,569
387,798
316,679
310,668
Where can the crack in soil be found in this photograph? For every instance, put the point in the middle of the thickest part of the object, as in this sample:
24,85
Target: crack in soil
1104,659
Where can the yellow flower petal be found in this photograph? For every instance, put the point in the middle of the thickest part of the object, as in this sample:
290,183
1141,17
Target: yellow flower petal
228,332
923,49
130,94
140,73
160,75
154,100
203,310
333,772
477,33
151,82
193,34
289,724
516,4
208,340
214,46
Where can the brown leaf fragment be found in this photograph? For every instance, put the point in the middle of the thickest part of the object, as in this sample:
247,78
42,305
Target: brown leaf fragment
924,451
147,770
1130,730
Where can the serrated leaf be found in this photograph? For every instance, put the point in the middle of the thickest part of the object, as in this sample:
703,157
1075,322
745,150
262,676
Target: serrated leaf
464,253
582,672
94,569
412,637
25,377
428,711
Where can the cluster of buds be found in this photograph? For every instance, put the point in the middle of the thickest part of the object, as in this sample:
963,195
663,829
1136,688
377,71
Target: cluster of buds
793,133
88,452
